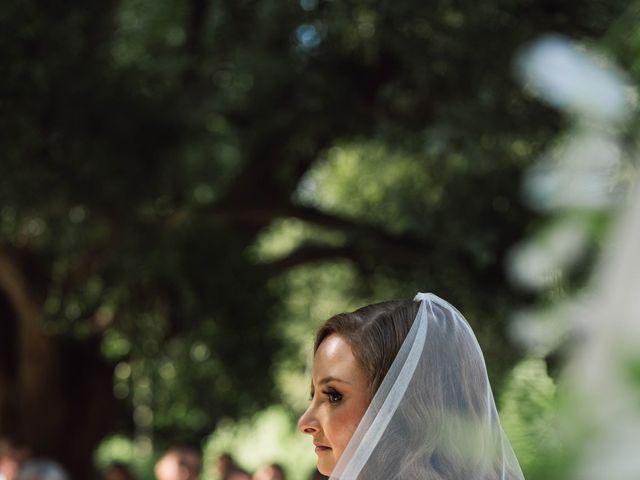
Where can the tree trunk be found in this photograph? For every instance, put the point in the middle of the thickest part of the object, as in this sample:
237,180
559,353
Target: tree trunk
55,392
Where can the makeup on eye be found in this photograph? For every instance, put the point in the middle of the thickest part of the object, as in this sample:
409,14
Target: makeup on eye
333,395
325,381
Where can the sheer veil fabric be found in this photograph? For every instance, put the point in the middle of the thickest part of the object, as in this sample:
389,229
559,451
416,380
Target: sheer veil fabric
434,416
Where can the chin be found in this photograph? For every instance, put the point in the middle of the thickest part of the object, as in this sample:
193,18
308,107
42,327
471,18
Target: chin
326,468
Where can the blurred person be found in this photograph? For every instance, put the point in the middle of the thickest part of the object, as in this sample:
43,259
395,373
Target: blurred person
117,471
179,463
229,470
238,475
42,469
11,457
270,471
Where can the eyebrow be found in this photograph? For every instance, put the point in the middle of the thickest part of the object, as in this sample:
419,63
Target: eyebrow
332,379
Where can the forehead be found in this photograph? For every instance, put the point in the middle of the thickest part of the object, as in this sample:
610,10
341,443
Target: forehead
334,358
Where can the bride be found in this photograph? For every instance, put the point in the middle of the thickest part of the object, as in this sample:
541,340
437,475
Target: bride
400,391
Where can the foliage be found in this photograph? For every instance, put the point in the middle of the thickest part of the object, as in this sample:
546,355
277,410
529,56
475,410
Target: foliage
269,436
528,412
152,149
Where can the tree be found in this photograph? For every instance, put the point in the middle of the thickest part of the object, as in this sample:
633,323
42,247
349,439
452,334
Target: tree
148,144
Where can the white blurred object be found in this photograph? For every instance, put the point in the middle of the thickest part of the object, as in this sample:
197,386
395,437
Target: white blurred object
584,175
601,370
565,76
541,261
579,173
542,331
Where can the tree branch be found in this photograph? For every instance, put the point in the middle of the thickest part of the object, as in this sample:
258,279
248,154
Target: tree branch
311,252
403,248
367,245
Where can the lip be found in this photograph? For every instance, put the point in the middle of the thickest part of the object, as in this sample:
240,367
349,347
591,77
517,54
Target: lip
320,447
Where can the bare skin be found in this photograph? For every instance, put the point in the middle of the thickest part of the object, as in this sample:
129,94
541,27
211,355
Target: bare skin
339,398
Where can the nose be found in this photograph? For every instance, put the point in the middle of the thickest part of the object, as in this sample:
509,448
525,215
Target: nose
308,423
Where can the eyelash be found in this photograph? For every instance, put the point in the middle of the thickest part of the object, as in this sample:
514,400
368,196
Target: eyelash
333,395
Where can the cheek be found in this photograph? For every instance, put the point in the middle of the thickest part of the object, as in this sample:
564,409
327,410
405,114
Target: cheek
338,428
344,424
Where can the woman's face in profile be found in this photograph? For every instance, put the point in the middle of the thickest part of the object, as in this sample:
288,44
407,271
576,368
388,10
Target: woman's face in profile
340,396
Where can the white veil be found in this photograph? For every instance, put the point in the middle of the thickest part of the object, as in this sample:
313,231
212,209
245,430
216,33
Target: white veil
433,416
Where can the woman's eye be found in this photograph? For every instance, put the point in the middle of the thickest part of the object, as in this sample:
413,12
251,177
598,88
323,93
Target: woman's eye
333,396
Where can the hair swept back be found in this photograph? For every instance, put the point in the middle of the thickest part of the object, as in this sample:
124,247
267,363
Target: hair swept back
375,334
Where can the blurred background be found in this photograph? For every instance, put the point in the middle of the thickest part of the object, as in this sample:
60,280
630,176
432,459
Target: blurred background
188,189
